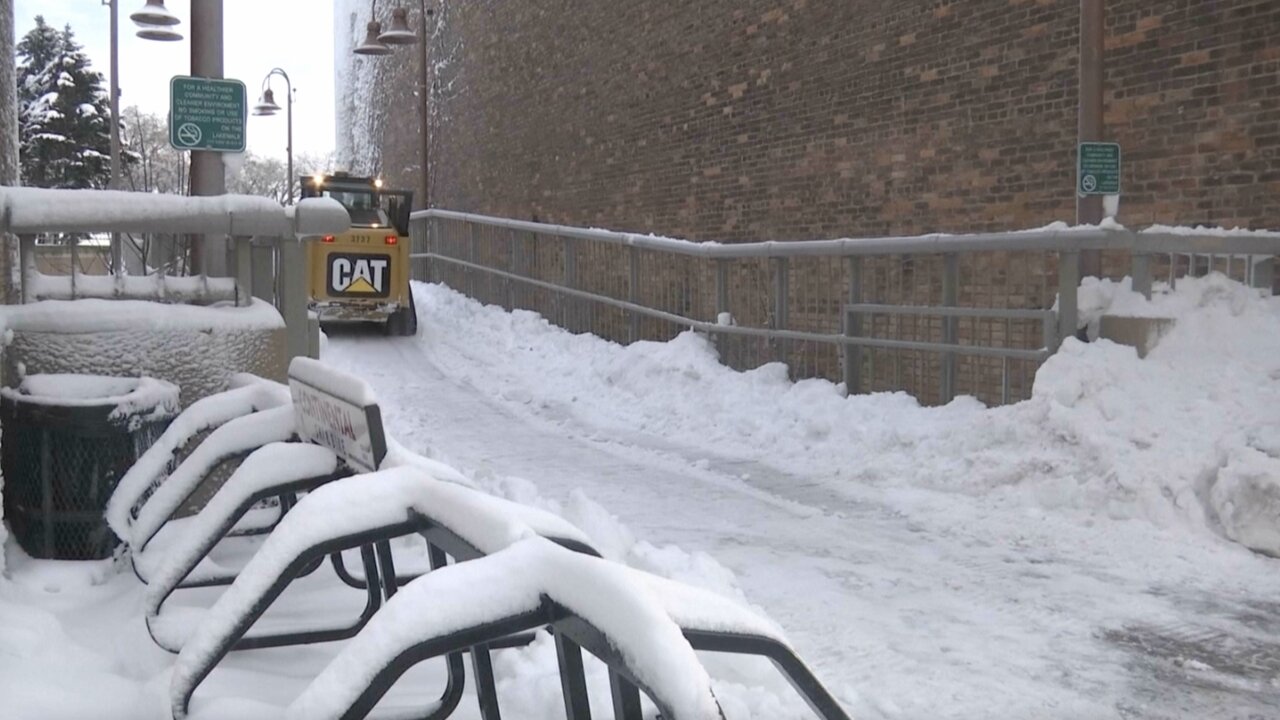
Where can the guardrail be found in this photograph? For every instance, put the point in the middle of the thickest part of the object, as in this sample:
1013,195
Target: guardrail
935,315
27,212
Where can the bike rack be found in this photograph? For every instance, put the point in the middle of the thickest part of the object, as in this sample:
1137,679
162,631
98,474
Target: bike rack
248,395
546,602
293,467
338,424
455,521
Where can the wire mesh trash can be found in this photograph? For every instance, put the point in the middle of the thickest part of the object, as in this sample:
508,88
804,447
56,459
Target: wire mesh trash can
65,441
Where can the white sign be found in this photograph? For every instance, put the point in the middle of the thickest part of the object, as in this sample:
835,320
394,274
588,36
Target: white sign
351,431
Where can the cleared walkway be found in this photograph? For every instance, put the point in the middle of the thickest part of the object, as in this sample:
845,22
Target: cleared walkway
910,604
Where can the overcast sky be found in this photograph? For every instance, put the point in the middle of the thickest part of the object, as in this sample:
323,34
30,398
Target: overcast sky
294,35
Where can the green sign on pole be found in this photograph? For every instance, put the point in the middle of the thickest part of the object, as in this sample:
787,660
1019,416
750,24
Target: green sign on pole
1098,169
206,114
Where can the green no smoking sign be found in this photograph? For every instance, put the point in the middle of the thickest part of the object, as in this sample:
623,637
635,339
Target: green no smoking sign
206,114
1098,169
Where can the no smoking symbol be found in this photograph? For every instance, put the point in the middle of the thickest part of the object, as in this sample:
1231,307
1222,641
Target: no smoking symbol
1089,183
189,134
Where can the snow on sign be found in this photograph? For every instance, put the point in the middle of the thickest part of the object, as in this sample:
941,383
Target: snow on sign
206,114
339,411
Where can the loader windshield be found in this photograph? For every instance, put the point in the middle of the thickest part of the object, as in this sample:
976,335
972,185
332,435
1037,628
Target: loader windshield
369,205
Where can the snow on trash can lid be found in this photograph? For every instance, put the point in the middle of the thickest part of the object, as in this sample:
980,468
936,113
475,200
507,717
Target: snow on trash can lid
132,399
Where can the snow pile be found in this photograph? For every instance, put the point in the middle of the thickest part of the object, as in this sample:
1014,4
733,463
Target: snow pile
1184,438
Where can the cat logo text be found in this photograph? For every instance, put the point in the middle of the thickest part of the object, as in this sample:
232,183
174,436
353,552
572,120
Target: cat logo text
353,275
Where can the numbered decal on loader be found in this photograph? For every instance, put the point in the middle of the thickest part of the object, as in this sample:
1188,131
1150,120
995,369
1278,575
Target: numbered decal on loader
359,275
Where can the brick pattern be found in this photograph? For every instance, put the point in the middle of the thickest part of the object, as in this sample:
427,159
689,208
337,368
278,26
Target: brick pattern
740,120
736,120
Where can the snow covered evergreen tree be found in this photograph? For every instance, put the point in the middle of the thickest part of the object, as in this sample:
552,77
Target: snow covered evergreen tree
63,112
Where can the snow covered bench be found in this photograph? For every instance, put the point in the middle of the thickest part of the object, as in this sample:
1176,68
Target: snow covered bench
361,511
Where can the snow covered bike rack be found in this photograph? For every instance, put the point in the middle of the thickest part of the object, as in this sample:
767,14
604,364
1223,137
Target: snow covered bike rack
337,410
363,511
526,569
644,628
254,412
520,561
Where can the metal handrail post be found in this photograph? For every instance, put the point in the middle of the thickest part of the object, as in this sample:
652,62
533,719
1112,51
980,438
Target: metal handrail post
851,355
1140,271
781,289
633,292
1068,306
570,282
293,296
472,242
244,269
950,325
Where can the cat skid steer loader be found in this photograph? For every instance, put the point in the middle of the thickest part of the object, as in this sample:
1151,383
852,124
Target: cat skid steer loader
362,275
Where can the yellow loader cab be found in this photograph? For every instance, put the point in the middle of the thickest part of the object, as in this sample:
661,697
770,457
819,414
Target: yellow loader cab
362,275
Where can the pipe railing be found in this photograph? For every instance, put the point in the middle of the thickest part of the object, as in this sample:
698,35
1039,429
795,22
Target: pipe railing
791,301
244,220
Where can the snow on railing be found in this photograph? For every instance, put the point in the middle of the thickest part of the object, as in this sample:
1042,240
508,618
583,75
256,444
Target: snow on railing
786,300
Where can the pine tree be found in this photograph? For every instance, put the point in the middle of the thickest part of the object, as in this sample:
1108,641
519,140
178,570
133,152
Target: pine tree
63,115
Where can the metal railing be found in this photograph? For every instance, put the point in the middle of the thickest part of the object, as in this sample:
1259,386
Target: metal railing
934,315
263,264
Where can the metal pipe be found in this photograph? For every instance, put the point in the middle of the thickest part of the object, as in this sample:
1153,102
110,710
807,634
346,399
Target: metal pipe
424,108
117,253
1089,207
1050,240
710,327
208,177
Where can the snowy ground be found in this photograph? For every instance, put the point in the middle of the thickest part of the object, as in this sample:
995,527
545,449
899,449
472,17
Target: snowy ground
1068,557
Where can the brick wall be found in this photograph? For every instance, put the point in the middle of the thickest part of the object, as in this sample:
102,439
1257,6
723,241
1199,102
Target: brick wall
749,119
737,120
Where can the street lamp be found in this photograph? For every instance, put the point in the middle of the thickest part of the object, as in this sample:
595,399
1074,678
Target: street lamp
154,22
377,42
267,106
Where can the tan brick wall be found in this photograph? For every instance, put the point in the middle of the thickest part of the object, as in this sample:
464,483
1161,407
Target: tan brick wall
751,119
738,120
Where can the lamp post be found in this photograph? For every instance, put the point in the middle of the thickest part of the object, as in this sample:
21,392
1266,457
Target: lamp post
267,106
154,22
378,42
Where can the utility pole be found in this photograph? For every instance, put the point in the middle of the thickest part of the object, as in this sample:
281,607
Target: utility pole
117,251
9,278
208,176
1089,207
424,181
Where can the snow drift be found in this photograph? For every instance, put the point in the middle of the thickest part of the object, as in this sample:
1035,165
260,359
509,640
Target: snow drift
1188,437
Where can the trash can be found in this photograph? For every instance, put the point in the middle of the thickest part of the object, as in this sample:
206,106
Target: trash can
65,441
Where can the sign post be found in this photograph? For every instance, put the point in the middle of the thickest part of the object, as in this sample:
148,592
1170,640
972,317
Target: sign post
1098,169
207,114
